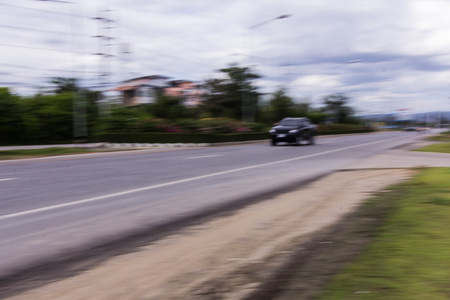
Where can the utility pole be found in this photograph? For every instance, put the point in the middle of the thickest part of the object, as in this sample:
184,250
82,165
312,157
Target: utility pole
105,44
125,58
80,132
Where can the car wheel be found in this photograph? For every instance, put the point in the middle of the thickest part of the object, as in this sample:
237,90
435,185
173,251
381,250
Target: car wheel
298,140
311,139
273,142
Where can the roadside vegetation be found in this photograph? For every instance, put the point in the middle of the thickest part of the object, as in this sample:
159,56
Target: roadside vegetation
443,147
230,105
408,256
443,137
31,153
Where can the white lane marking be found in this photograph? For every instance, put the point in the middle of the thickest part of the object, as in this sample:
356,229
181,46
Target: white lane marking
204,156
7,179
151,187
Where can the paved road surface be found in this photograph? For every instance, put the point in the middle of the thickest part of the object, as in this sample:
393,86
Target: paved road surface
53,206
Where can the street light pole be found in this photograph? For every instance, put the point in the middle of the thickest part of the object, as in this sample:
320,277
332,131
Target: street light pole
251,118
270,20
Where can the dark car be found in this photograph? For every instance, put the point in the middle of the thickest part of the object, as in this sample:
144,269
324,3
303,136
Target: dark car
293,130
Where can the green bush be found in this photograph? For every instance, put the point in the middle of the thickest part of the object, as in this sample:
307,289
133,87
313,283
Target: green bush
208,131
123,121
221,126
342,129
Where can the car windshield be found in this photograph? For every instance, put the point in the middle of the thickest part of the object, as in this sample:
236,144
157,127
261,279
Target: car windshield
290,122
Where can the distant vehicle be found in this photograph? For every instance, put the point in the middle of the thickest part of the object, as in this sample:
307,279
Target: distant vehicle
415,128
293,130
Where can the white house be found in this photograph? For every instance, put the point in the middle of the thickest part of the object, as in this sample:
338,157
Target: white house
141,90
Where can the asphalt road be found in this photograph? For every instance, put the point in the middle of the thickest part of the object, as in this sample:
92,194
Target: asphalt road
55,206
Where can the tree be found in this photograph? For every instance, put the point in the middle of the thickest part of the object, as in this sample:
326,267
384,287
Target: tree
337,109
234,97
64,85
45,118
84,102
168,107
48,118
121,119
11,118
280,106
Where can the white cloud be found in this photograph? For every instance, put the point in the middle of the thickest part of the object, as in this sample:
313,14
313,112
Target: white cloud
404,41
315,82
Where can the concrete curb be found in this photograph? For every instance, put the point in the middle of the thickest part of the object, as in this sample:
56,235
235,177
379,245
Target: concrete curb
107,145
112,146
173,145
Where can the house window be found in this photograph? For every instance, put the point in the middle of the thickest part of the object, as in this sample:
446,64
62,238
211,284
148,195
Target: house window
142,92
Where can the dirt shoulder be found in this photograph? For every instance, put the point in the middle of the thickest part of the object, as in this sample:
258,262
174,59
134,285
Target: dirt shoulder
231,257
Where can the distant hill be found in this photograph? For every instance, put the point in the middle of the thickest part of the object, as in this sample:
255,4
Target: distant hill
430,117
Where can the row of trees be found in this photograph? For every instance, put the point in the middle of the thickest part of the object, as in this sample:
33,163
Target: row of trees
48,117
42,118
236,97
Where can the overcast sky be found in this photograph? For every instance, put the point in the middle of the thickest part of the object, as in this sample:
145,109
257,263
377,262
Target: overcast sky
385,54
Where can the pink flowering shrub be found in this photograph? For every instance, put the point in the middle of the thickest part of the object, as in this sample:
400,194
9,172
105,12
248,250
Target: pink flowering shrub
209,125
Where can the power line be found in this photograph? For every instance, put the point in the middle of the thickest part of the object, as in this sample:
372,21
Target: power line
45,69
43,10
10,74
105,51
108,20
41,30
192,61
15,83
45,49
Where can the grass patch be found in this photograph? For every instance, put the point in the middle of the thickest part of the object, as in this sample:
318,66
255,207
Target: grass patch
409,255
441,148
30,153
443,137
